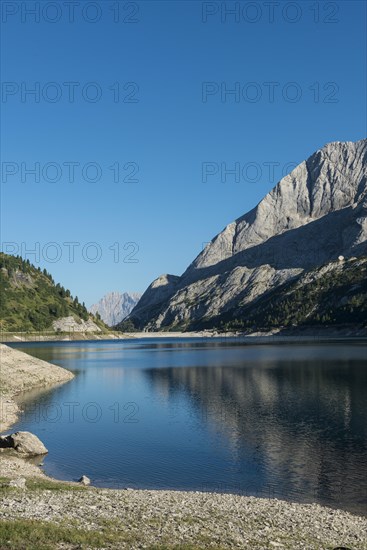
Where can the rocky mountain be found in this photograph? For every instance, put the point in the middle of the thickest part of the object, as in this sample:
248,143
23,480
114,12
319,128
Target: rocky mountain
31,300
115,306
333,294
312,216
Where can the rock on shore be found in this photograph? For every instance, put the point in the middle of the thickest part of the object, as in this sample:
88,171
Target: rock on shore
24,443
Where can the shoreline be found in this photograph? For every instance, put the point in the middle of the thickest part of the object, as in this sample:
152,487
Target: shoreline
170,517
272,336
164,519
19,337
21,372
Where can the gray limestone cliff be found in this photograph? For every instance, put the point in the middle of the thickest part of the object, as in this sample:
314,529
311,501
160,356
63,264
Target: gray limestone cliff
313,215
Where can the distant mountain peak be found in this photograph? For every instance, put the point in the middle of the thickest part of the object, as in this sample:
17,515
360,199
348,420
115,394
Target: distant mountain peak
115,306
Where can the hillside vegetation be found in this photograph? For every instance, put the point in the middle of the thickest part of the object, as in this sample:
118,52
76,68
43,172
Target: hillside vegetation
30,299
332,295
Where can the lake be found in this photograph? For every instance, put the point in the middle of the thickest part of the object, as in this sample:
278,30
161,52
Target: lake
270,420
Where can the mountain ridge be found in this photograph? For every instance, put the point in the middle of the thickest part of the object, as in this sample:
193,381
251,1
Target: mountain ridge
313,215
114,306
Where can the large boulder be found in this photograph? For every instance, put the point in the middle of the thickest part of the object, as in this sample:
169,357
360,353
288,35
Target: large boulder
24,443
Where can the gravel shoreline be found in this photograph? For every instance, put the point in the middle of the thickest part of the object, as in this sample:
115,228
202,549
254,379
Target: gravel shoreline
159,519
178,519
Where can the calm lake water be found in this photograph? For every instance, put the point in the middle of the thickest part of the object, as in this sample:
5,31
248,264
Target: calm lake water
286,420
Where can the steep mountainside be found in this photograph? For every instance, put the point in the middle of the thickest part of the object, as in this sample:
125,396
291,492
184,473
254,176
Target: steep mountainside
333,294
115,306
30,299
313,215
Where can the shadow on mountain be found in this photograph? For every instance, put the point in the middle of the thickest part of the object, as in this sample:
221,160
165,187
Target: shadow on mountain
302,248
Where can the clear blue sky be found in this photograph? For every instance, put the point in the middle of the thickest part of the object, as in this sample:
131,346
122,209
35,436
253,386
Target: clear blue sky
169,52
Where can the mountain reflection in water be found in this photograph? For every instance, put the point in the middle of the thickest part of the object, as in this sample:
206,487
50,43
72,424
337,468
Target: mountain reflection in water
286,421
302,422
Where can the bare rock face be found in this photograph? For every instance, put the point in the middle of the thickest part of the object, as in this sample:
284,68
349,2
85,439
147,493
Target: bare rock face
69,324
24,443
312,216
157,293
115,306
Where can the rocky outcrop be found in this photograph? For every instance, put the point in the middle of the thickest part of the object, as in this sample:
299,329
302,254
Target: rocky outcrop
115,306
315,214
69,324
25,443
